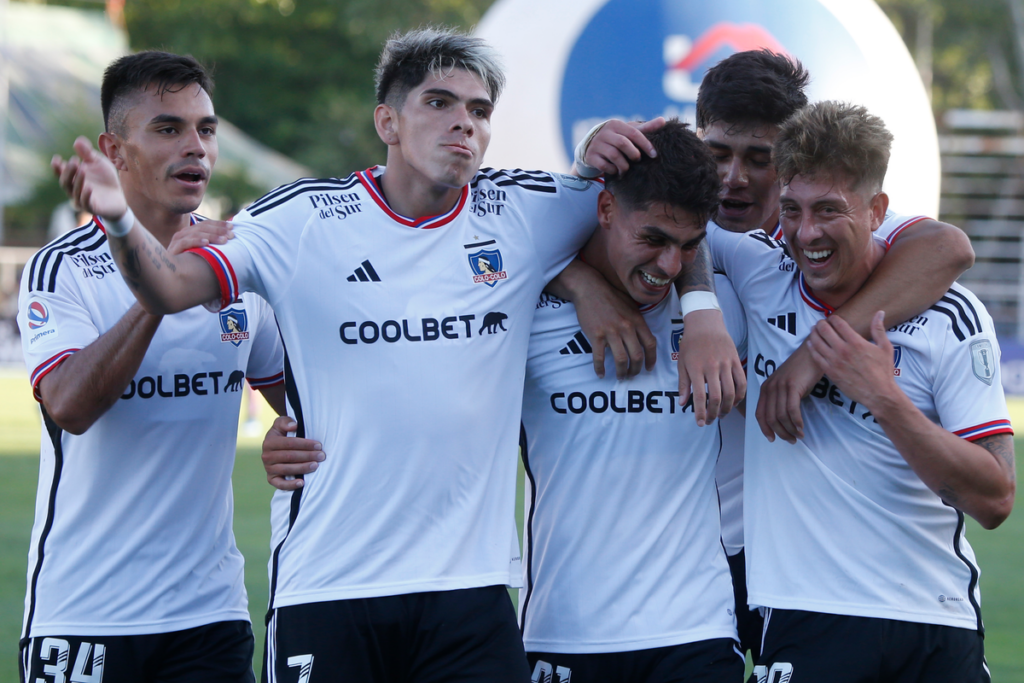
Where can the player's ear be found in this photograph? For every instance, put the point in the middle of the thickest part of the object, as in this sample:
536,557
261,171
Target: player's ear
385,120
879,205
110,147
606,208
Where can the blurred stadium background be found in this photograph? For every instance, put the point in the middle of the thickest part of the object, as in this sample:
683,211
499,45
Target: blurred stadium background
294,81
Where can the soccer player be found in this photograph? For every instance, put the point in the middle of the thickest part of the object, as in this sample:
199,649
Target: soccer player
404,297
133,573
625,579
855,533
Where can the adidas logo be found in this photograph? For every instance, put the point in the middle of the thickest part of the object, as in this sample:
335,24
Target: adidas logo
578,345
364,274
785,322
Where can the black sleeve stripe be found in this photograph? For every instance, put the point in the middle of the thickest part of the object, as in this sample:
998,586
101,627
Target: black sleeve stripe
967,302
42,256
537,181
298,187
44,273
952,318
286,198
963,314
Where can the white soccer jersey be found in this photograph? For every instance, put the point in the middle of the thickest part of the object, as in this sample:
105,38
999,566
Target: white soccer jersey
406,348
839,523
132,530
622,535
729,473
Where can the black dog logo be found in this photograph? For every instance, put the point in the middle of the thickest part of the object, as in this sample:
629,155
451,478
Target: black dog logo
492,321
234,381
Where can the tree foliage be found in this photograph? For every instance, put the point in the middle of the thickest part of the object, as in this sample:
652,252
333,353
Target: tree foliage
295,74
976,56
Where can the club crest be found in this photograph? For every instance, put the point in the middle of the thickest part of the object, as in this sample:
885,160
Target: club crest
676,334
487,267
234,325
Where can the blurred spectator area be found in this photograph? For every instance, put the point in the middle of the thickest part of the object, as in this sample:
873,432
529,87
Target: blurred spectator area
983,193
55,57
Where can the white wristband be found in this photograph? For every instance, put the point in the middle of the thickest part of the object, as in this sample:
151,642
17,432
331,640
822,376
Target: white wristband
582,168
121,226
698,301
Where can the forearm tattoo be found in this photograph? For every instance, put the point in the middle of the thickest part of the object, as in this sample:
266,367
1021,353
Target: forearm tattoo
698,276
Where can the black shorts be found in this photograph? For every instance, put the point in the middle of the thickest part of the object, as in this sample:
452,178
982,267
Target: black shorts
810,647
749,622
706,661
220,652
461,635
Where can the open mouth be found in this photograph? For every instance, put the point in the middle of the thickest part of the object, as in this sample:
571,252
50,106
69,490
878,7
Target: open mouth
819,256
734,205
653,281
190,177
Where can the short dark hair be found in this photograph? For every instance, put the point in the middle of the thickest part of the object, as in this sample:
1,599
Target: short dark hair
683,174
407,58
834,140
133,74
751,88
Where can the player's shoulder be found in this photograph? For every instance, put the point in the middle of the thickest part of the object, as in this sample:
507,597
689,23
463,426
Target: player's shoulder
84,247
522,183
959,317
307,195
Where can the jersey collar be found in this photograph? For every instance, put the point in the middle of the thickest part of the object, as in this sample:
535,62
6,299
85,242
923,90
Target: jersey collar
812,300
369,181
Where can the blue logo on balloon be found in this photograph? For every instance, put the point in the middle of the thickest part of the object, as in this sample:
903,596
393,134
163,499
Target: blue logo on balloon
638,59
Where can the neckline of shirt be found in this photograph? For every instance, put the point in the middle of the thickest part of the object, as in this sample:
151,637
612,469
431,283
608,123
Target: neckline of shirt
369,180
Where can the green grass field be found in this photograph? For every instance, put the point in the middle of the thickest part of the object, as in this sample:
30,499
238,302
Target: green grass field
1000,552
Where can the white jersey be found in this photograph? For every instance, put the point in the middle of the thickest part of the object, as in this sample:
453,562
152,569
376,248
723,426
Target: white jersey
406,349
839,523
132,530
622,535
730,465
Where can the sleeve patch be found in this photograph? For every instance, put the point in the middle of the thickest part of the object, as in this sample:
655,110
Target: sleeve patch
41,323
983,361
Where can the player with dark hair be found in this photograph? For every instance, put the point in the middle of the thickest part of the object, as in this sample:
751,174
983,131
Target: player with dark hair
133,571
855,533
626,578
390,563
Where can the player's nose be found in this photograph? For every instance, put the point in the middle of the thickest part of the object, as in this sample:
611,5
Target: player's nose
193,144
735,174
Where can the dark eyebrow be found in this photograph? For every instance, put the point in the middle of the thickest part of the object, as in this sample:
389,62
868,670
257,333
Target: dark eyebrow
170,118
452,96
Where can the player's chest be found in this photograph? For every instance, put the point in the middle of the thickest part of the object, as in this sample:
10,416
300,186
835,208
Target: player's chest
366,263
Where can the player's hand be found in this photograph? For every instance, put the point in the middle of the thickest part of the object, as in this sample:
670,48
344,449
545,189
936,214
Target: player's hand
200,234
778,406
286,458
610,319
709,367
619,142
862,370
90,181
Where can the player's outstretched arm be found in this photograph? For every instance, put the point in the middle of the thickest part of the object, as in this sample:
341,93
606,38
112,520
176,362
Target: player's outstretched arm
287,458
977,477
917,270
89,382
162,282
709,366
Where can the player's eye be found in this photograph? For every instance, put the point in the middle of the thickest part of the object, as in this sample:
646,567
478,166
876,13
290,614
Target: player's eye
436,103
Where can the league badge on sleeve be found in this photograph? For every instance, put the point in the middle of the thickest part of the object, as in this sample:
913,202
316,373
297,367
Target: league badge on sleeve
234,325
983,360
38,315
487,267
897,355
